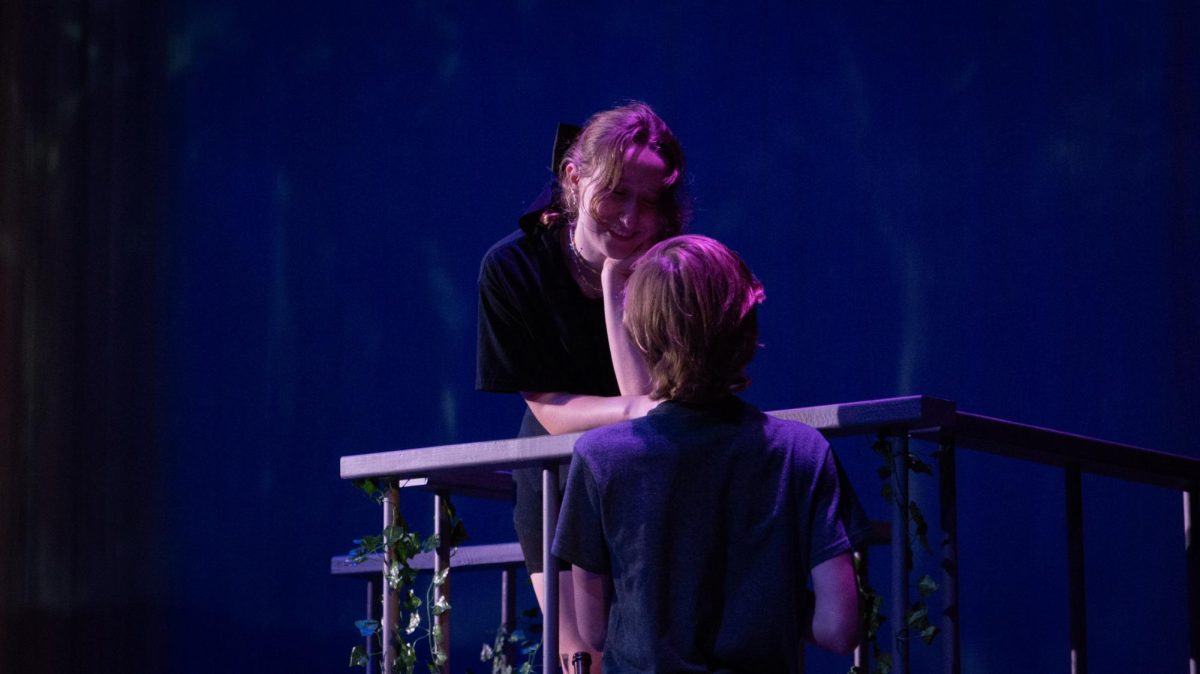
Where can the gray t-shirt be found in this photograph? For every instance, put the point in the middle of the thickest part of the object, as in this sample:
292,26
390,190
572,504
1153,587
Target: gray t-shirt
709,520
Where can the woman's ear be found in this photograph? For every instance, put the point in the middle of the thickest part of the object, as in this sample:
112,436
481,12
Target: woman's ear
572,174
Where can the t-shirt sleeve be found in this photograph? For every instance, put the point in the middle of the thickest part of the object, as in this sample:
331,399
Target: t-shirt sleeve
504,361
838,522
579,538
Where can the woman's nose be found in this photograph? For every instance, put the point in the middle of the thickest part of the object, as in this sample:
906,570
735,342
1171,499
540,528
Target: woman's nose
632,213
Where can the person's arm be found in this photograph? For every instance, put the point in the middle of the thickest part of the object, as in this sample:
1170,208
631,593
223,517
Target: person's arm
633,377
568,413
834,624
591,606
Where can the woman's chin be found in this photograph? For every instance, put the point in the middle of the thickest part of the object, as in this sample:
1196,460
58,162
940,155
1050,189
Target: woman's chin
619,249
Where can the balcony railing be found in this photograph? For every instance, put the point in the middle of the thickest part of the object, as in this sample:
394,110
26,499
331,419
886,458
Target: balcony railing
481,467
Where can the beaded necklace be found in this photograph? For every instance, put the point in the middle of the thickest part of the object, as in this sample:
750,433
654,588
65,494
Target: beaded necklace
583,269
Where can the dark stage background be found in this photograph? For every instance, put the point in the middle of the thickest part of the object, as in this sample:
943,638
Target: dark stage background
240,240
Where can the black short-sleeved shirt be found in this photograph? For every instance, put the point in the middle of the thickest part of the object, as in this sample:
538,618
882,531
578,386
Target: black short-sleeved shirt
537,330
709,520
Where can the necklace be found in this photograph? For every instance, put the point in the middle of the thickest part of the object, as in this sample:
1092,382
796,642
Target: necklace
583,269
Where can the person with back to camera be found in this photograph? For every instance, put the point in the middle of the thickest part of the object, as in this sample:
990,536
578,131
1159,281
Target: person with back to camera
694,531
550,300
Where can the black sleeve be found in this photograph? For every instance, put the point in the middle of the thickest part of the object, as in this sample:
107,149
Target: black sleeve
536,331
498,326
507,356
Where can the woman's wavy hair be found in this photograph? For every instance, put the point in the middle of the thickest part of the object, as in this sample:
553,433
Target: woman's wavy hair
691,307
599,153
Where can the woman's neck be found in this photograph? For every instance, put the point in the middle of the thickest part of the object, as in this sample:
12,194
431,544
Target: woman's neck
585,273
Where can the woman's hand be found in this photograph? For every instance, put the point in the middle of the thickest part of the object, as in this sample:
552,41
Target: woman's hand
633,376
614,273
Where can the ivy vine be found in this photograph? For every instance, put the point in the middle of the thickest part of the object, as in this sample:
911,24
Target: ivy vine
399,543
524,641
916,618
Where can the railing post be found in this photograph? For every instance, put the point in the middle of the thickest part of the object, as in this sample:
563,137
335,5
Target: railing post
374,601
441,563
391,604
1191,516
508,607
1075,580
948,492
862,658
549,569
900,557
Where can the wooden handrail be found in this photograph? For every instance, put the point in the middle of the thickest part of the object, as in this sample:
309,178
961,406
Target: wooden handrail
481,468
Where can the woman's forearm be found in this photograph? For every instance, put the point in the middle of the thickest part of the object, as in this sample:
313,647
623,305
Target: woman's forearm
570,413
633,377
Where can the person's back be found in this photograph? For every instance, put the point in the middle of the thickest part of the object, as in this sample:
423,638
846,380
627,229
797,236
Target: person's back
712,514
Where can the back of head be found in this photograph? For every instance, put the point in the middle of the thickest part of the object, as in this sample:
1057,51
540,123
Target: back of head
691,307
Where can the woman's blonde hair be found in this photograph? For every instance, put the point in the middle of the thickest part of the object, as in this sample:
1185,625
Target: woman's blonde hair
599,153
691,307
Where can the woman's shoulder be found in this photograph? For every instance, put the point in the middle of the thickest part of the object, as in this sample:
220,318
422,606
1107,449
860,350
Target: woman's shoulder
531,242
522,251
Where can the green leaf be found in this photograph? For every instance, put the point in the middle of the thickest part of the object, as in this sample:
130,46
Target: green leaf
412,602
927,586
394,575
920,526
883,663
886,491
440,606
914,511
414,621
884,471
358,657
929,634
916,465
393,534
367,486
458,534
883,448
439,578
407,655
430,544
918,615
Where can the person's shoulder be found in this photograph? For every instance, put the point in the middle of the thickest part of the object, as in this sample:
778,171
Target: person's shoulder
603,435
521,248
608,444
794,433
505,249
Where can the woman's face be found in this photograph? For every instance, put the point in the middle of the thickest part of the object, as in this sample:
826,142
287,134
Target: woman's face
627,220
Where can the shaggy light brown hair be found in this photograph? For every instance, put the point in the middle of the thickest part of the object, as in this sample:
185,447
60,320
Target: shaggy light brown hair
691,307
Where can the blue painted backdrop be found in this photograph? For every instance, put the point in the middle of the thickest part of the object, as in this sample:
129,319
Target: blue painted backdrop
985,202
